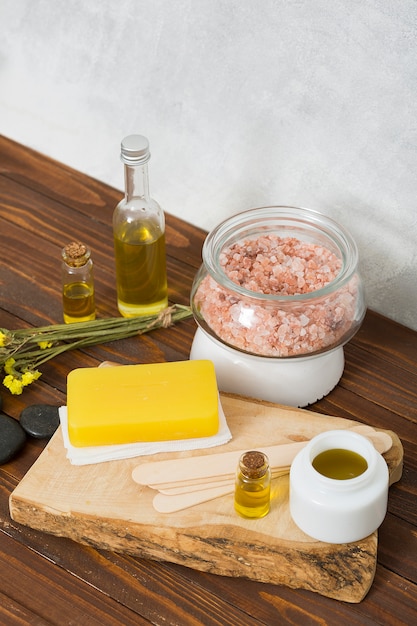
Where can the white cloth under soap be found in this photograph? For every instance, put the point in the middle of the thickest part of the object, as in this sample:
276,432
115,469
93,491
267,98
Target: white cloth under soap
99,454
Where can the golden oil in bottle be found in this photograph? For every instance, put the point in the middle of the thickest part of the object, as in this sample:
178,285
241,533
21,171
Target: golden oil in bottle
139,237
340,464
140,270
78,300
253,485
77,284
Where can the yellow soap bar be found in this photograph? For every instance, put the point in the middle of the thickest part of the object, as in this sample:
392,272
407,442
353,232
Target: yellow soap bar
142,403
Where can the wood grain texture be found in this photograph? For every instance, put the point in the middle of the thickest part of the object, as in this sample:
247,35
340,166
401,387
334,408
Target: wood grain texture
378,387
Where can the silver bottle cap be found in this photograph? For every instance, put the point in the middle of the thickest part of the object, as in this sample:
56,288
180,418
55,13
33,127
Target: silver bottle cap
135,150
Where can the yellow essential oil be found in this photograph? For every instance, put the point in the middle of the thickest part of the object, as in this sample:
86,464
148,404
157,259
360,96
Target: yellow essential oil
139,237
340,464
77,284
78,302
140,270
253,485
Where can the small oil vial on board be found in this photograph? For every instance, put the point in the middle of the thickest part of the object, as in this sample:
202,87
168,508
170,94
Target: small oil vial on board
253,485
77,283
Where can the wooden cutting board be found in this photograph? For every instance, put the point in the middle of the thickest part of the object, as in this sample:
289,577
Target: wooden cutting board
101,505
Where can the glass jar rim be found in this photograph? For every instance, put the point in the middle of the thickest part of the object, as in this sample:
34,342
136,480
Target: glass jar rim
228,231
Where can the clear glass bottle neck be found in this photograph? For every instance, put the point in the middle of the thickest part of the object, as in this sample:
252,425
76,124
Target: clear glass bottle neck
136,181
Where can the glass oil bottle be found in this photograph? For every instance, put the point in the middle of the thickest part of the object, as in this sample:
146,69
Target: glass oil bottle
139,237
253,485
77,283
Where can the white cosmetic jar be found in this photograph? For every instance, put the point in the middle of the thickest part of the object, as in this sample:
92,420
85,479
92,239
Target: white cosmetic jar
338,510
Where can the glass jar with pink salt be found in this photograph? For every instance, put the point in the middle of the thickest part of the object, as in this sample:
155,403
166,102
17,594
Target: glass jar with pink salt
276,298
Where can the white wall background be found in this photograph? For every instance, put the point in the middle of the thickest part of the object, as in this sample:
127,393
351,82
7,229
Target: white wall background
245,103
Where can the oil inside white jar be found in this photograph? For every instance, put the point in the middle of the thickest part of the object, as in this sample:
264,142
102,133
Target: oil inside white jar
340,464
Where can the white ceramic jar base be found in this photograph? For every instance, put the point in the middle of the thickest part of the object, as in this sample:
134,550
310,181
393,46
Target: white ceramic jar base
292,382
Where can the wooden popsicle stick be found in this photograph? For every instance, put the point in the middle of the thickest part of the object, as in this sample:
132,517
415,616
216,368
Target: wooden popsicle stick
223,465
171,504
171,484
196,482
180,488
178,491
109,364
381,441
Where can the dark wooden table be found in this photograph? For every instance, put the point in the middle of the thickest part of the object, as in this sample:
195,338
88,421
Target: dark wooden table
51,580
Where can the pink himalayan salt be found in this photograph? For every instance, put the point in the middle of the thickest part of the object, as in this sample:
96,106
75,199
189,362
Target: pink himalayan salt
278,266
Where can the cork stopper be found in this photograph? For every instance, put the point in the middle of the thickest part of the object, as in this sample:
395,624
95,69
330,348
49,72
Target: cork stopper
75,254
253,464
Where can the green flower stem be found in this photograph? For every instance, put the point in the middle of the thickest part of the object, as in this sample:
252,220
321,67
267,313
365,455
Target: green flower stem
60,332
21,354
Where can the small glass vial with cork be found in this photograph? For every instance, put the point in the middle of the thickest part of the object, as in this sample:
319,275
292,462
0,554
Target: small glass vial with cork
139,237
77,283
253,485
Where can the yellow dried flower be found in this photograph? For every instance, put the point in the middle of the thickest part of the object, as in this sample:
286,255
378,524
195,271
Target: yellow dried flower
14,385
29,377
8,366
45,344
